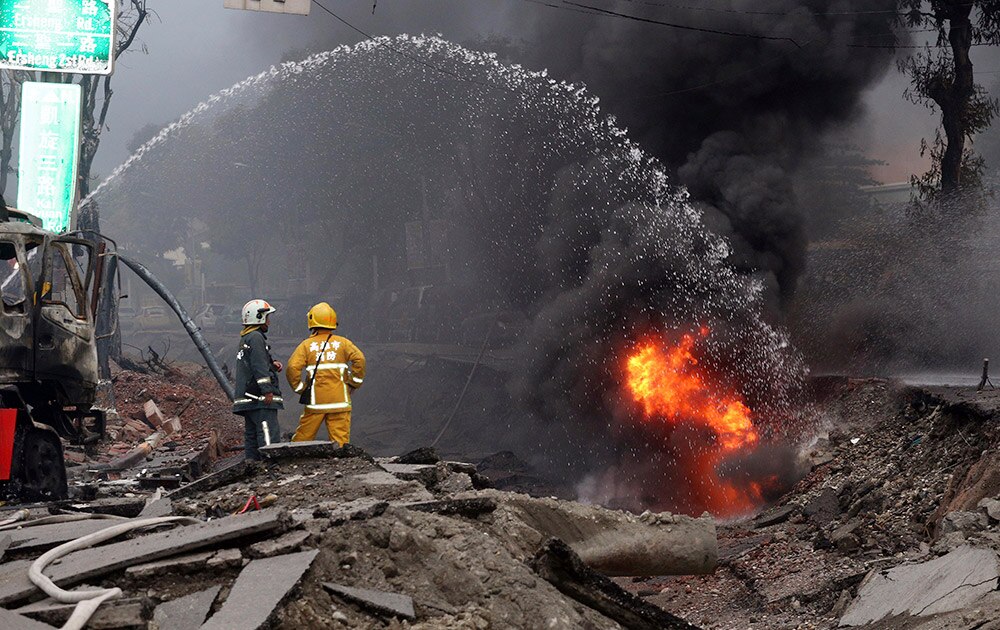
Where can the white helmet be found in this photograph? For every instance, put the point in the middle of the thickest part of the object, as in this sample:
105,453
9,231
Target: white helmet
256,312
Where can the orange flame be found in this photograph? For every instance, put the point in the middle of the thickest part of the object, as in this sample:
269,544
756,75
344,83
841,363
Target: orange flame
671,391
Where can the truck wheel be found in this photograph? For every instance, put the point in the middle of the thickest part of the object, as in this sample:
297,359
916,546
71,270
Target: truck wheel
41,472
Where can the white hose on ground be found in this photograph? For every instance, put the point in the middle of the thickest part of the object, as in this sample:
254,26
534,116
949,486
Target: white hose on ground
18,516
60,518
88,601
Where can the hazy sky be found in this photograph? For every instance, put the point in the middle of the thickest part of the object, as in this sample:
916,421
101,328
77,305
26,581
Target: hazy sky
196,47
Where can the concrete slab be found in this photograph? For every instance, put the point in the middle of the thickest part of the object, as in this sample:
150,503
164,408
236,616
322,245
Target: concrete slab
43,536
98,561
157,508
4,544
423,455
382,602
13,621
226,558
379,478
424,473
120,614
951,582
470,508
180,564
286,543
356,510
127,507
258,591
316,448
186,613
776,515
219,478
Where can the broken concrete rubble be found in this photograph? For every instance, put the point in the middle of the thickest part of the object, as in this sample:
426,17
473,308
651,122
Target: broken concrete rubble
952,582
392,604
617,543
249,606
470,508
88,563
286,543
292,450
120,614
557,563
186,613
12,621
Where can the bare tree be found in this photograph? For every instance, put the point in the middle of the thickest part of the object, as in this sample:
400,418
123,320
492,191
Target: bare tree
942,79
97,92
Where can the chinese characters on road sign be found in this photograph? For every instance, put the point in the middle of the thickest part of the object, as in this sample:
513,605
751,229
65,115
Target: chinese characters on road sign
74,36
49,148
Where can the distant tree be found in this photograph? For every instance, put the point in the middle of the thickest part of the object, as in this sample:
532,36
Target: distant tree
942,79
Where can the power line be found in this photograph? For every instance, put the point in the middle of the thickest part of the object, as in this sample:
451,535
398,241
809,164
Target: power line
672,5
683,27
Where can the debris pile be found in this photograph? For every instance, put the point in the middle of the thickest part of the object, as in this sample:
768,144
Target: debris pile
902,479
317,536
169,428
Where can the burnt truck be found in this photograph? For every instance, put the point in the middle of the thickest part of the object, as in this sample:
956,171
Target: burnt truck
49,289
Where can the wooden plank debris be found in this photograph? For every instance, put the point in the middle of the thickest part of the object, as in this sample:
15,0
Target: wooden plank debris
261,587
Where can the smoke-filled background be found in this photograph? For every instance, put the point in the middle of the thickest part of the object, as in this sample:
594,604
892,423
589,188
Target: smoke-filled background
548,221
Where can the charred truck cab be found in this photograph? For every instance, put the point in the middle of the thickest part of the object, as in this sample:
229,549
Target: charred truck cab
48,353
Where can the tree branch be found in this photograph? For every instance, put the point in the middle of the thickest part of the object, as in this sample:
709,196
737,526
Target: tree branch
140,7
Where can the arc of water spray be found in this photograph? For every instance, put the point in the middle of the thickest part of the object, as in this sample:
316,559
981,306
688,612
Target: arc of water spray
505,78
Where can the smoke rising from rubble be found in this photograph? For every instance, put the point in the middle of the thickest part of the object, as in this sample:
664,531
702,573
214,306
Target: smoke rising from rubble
566,219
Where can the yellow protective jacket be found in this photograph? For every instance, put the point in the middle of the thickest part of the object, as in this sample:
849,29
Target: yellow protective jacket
338,372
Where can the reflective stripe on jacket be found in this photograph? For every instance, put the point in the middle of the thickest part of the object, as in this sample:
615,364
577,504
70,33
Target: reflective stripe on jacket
338,372
255,374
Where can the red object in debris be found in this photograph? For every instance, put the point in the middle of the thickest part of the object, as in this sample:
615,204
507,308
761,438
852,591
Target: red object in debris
251,501
8,422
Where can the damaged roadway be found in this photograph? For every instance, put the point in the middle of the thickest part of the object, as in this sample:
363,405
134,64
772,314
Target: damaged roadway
342,542
895,525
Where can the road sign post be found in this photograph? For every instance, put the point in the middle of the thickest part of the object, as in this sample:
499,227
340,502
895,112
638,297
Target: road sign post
68,36
49,152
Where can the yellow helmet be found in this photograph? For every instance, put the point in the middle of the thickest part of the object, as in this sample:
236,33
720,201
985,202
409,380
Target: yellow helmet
322,316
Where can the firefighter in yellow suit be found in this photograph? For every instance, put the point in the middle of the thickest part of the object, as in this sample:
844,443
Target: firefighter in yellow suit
334,368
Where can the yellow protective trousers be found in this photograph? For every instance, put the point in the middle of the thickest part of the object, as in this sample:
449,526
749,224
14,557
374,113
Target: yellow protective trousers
337,424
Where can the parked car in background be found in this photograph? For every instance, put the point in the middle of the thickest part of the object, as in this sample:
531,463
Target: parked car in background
127,317
217,317
154,319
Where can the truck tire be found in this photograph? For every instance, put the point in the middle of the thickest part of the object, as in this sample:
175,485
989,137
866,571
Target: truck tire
39,472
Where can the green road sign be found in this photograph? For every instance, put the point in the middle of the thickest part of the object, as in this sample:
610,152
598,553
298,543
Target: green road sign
72,36
49,151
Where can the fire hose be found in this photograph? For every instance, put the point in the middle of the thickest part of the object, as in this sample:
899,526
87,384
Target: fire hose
87,602
189,325
58,518
18,516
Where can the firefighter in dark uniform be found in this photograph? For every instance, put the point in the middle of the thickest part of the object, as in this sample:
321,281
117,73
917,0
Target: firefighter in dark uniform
258,396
